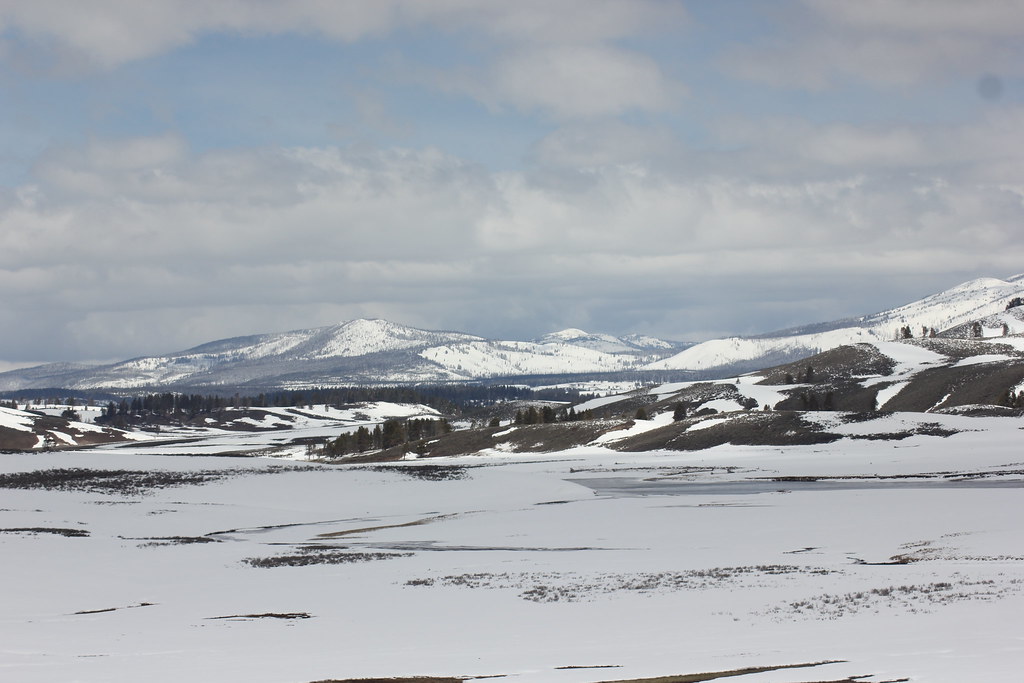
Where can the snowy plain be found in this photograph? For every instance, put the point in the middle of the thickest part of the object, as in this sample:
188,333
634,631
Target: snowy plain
577,566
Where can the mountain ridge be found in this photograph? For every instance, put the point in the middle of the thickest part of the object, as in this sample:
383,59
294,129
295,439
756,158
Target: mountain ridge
376,351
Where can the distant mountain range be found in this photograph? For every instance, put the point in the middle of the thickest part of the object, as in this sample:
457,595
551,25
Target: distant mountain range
382,352
352,352
950,313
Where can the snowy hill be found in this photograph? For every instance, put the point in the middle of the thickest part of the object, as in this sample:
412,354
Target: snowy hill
606,343
378,351
948,311
24,430
352,352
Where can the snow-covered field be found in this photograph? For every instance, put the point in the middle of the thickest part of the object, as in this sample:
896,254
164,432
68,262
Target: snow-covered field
533,567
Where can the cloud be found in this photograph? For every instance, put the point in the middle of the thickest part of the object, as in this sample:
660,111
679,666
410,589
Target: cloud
563,59
569,82
883,42
112,32
122,247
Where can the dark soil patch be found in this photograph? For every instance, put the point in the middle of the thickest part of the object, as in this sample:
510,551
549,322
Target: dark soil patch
125,482
754,428
160,541
426,472
570,587
267,615
712,675
114,609
983,384
838,364
864,416
70,533
310,557
406,679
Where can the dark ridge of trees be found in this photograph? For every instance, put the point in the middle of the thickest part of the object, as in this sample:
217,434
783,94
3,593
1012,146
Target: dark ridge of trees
392,433
549,415
448,399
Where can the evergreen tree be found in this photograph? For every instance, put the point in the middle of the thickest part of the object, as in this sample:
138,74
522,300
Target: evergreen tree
363,440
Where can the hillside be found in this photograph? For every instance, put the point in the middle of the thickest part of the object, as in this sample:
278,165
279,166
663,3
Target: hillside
887,390
361,352
949,312
351,353
29,430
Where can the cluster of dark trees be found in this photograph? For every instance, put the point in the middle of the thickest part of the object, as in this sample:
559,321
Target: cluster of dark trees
392,433
548,415
907,333
812,401
449,399
805,377
1013,399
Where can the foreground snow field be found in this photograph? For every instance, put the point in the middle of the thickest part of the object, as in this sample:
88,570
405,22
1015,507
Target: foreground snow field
578,566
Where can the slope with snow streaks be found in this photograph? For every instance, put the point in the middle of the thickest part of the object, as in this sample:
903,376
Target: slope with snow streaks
499,359
957,306
606,343
362,337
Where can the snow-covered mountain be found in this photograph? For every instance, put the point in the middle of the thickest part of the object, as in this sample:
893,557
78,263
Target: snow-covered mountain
378,351
606,343
352,352
950,313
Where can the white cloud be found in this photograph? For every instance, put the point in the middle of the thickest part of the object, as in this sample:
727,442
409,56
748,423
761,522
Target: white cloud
558,58
576,82
885,42
240,242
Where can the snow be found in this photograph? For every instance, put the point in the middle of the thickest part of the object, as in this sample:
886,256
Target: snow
638,427
704,424
722,405
15,419
961,304
595,403
360,337
493,358
885,395
1014,342
982,358
651,583
605,343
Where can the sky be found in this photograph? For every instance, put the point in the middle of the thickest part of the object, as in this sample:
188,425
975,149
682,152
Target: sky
174,172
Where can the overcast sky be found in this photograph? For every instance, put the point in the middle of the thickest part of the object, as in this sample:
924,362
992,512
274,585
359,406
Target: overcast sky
173,172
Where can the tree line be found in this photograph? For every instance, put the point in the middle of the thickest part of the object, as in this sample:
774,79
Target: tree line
391,433
448,399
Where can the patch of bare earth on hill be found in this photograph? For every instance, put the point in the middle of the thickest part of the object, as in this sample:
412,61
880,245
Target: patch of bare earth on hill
677,678
838,364
754,428
572,587
46,427
904,598
123,482
70,533
305,556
